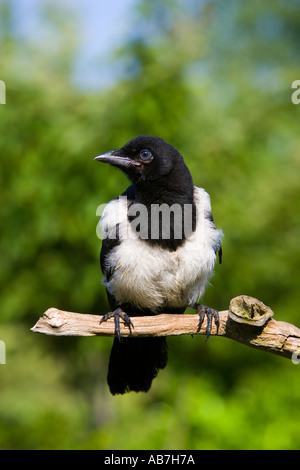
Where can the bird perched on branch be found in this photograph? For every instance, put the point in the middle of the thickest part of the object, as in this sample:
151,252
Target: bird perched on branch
158,252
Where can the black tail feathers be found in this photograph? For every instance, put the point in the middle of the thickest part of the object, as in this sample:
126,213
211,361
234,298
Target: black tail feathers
135,362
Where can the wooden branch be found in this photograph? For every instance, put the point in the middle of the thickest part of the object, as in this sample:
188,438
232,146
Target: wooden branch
247,321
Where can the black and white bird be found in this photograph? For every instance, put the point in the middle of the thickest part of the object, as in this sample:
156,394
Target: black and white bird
158,252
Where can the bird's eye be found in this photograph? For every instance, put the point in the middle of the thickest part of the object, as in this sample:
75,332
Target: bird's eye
145,154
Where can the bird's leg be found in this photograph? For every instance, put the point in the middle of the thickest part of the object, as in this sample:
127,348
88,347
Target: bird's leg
117,314
210,313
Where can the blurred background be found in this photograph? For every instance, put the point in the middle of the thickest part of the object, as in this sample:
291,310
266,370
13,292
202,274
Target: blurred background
214,79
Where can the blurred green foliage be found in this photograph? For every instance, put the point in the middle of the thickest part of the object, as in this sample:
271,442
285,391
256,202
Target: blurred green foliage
214,79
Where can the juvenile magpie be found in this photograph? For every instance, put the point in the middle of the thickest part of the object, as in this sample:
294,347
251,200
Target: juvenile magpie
158,252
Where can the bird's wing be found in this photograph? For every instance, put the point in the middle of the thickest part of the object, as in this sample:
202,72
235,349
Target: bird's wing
114,214
203,203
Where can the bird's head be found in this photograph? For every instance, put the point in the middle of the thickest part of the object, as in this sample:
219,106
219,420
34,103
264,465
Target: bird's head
144,158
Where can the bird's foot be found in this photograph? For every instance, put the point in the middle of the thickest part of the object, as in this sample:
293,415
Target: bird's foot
117,314
210,313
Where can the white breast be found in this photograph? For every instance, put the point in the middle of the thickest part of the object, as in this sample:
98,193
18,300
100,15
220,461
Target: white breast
152,277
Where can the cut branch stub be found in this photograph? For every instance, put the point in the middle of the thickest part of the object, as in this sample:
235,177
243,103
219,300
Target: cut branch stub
248,310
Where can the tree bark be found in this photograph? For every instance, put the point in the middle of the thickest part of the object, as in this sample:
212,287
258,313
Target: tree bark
247,321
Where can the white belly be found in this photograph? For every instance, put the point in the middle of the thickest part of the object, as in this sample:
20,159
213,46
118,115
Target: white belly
151,277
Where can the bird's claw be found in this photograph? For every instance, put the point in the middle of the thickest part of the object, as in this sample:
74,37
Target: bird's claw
210,313
117,314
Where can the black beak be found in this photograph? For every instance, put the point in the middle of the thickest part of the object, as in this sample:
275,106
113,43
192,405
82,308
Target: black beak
115,158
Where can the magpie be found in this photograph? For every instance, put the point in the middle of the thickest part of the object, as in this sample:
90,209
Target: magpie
158,252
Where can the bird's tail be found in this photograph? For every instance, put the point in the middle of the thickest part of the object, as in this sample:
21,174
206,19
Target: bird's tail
135,362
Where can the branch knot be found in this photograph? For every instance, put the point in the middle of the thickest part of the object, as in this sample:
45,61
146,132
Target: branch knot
248,310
